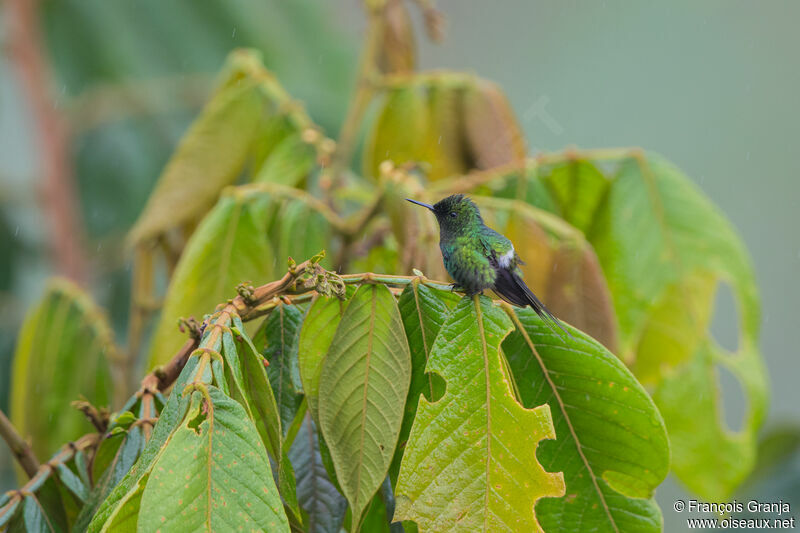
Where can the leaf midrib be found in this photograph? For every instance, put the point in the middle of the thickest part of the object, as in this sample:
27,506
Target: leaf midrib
370,334
479,312
556,394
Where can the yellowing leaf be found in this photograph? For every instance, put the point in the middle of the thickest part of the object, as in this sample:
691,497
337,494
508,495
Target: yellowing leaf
230,246
470,463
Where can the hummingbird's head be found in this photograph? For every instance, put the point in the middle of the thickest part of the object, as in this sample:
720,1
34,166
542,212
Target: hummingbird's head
456,214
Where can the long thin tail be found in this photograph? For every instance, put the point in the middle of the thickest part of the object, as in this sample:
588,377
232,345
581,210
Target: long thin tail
513,289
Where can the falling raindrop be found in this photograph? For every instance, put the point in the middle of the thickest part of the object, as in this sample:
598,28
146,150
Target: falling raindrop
16,233
233,35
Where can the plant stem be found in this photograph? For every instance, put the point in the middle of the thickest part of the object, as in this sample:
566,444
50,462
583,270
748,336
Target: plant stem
60,204
20,448
365,87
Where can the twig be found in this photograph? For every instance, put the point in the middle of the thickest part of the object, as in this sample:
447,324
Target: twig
21,449
66,453
60,204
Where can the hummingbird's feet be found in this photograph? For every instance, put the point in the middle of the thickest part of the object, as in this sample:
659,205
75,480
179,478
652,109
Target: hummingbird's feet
456,287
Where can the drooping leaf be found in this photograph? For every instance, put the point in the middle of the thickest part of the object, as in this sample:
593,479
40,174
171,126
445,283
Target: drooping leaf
611,443
61,356
492,134
316,335
259,402
470,463
289,163
300,232
120,509
364,383
450,121
664,249
230,246
261,399
424,310
282,329
210,156
213,474
316,494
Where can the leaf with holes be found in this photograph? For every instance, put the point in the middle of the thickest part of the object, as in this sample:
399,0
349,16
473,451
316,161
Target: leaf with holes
229,246
60,357
317,495
364,382
665,249
611,442
470,463
213,474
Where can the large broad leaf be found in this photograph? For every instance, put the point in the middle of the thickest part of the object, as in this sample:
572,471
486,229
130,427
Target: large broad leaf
213,475
560,266
665,249
60,357
364,383
230,246
450,121
470,463
298,231
316,335
119,511
611,442
282,329
210,156
316,494
424,310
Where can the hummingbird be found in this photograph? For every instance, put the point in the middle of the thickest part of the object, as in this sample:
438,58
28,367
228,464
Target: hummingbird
478,258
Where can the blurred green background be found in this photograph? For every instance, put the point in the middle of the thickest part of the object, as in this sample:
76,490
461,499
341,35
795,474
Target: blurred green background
710,85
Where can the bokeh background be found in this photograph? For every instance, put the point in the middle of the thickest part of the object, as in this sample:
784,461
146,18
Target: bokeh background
711,85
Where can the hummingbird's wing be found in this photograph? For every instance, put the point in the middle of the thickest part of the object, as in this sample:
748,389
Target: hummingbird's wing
510,286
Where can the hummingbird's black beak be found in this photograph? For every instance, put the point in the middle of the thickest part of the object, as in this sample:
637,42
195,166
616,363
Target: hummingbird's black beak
420,203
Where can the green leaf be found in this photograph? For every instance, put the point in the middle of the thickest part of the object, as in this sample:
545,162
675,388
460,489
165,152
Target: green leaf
289,163
213,474
210,156
60,357
316,494
120,509
261,400
282,329
470,463
611,442
263,409
665,249
424,310
316,335
229,247
299,232
364,382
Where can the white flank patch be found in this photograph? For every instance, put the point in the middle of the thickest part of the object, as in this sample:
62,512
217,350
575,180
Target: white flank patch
505,259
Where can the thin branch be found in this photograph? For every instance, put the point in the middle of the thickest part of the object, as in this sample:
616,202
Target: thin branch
365,88
66,453
21,449
59,200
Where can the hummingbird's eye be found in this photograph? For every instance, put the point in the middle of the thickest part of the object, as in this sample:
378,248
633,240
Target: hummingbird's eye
453,214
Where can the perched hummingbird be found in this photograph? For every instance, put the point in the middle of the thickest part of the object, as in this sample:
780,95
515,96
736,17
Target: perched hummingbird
478,258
